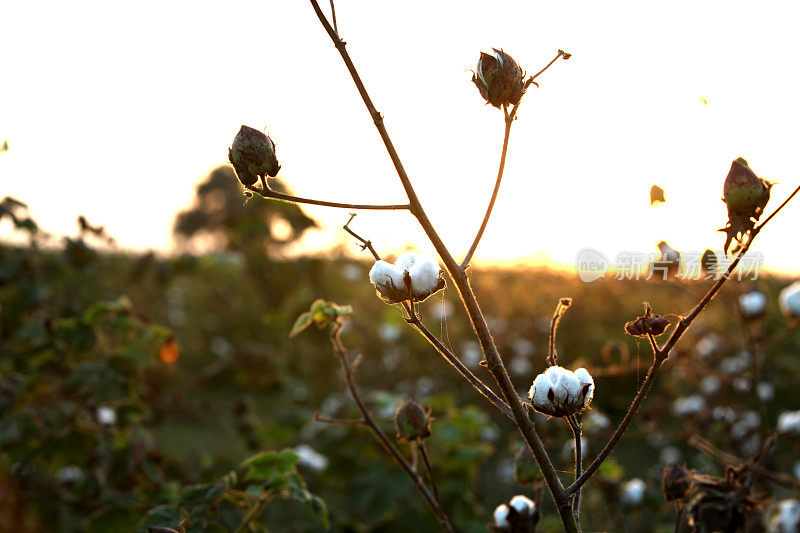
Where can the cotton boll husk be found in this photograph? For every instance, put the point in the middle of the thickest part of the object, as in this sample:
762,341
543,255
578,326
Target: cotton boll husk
522,504
501,516
789,300
406,261
424,276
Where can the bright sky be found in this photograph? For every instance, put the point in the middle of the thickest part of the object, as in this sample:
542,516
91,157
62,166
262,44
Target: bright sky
117,110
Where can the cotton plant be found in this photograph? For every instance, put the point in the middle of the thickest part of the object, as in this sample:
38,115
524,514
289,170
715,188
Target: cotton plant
518,515
559,393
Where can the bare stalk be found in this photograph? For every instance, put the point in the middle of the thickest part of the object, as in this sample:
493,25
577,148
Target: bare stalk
460,367
341,354
423,451
575,426
561,308
266,192
492,358
500,169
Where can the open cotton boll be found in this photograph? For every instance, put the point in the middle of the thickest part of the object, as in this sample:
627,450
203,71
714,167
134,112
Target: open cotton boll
789,300
501,516
752,304
407,260
522,504
561,392
789,422
389,282
424,276
568,388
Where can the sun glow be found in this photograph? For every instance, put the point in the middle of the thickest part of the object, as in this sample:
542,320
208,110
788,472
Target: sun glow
115,112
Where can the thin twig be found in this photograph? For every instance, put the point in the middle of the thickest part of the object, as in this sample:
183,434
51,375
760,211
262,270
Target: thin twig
365,244
341,354
448,356
423,451
490,207
339,421
275,195
333,18
561,308
696,441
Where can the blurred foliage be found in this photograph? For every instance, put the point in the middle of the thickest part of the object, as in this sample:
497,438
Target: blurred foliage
193,356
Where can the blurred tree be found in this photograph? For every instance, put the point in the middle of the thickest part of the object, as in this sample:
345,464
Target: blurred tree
221,218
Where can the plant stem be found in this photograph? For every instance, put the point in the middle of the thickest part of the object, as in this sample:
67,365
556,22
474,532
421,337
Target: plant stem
275,195
561,308
423,451
390,448
500,169
575,426
460,367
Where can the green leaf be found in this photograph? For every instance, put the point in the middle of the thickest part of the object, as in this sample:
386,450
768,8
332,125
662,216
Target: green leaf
163,515
113,519
202,495
267,465
302,322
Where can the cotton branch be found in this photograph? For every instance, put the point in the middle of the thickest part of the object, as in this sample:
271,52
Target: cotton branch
341,354
509,120
493,361
266,192
660,354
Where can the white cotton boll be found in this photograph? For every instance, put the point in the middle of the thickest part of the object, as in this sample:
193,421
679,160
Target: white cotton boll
789,300
424,276
688,405
709,385
633,492
106,416
789,422
568,388
382,273
501,517
785,517
522,504
69,474
725,413
406,261
310,458
670,455
765,391
538,393
753,303
742,384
